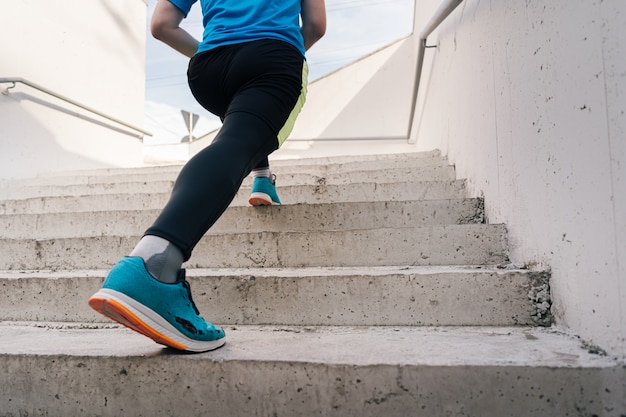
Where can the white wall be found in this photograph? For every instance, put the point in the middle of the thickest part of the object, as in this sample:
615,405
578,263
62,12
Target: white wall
528,100
362,100
99,62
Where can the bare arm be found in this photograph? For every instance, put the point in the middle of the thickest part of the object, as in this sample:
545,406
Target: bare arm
313,21
165,26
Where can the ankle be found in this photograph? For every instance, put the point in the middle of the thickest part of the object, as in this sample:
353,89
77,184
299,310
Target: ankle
163,260
261,172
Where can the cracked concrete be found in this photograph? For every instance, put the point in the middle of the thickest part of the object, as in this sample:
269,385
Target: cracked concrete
539,295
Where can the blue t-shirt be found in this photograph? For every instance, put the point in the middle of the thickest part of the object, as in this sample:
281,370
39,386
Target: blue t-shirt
234,21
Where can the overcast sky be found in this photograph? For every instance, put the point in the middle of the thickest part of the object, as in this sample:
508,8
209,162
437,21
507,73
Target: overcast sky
354,29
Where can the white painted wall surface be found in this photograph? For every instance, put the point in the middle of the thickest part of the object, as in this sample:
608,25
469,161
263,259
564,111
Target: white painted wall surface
97,62
366,99
528,100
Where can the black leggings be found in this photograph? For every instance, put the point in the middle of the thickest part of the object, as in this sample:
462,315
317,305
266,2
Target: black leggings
256,88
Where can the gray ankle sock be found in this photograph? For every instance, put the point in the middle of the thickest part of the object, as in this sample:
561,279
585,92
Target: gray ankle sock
163,260
261,172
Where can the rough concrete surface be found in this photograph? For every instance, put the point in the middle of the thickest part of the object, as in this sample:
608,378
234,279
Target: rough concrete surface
317,192
466,244
288,217
312,296
319,166
164,180
287,371
378,257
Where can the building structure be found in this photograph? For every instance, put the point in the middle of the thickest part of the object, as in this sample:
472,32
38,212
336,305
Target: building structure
526,99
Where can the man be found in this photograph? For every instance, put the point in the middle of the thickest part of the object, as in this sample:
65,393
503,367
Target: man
250,70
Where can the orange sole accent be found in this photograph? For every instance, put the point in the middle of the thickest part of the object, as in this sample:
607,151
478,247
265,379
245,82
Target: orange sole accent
119,313
255,201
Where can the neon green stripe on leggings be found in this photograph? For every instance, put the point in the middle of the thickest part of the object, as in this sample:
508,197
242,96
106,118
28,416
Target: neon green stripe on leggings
291,121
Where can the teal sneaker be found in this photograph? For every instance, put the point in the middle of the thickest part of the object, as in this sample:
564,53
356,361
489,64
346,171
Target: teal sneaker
163,312
264,192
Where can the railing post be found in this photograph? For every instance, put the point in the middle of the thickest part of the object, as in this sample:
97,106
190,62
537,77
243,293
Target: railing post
442,12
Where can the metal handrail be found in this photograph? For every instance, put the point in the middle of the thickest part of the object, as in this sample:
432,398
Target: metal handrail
442,12
14,80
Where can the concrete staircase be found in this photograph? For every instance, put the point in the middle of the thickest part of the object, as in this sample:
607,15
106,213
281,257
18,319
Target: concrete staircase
376,290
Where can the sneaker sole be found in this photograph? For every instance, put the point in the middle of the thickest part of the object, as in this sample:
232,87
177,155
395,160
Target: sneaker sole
136,316
261,199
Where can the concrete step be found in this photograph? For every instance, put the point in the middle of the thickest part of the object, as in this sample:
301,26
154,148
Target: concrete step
296,194
318,167
293,217
419,296
311,166
469,244
60,370
163,181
